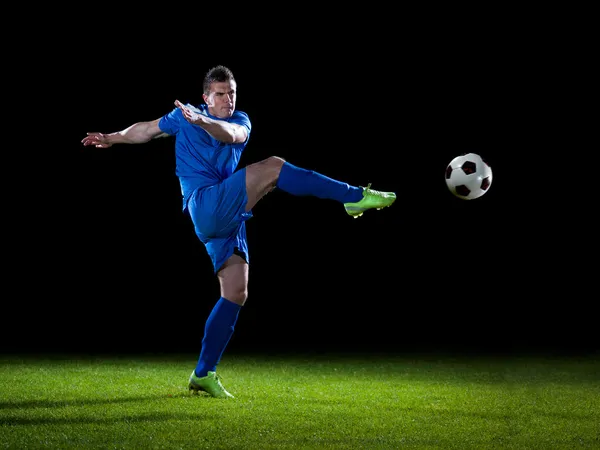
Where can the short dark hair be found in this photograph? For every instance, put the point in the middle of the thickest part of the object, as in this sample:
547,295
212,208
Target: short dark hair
217,74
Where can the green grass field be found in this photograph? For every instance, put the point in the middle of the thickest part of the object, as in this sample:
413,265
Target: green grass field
320,401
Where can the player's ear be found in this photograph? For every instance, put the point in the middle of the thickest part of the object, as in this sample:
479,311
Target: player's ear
205,98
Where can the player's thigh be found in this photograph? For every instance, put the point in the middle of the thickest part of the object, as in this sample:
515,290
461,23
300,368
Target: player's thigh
261,178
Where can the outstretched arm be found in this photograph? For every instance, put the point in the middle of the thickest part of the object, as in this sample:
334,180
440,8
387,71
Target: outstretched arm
138,133
221,130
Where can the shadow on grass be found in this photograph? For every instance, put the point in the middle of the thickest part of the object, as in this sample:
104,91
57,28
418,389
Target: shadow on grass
31,404
140,418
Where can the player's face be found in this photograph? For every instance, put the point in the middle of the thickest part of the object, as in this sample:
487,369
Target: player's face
221,100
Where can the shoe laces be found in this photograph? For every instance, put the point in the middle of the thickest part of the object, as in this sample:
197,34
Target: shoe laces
373,191
218,379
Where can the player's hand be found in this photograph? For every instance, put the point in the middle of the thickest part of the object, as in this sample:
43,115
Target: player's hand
98,140
189,115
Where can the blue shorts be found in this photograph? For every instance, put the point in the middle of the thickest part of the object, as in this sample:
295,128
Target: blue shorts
218,214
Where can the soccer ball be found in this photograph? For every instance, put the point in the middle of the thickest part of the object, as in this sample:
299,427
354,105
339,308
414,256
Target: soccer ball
468,176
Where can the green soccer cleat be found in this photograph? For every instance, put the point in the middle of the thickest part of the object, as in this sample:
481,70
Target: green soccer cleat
371,199
211,384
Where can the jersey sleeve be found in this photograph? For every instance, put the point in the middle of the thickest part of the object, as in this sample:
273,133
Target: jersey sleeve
170,123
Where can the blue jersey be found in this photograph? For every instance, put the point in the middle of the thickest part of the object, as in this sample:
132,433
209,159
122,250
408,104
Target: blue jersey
201,160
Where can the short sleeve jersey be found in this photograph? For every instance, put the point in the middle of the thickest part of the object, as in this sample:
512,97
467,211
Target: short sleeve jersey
201,160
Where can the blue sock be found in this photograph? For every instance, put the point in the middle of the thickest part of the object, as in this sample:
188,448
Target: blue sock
297,181
217,332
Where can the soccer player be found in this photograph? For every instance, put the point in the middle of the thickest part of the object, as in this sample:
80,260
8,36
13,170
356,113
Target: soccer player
219,197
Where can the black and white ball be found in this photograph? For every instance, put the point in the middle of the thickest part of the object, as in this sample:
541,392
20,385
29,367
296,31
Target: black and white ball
468,176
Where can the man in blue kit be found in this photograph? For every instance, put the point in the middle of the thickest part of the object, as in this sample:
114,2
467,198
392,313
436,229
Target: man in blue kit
209,141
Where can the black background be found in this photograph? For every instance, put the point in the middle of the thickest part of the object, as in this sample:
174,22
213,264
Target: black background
99,256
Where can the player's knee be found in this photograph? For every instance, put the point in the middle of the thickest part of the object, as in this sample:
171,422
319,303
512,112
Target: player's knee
270,173
241,299
238,296
275,161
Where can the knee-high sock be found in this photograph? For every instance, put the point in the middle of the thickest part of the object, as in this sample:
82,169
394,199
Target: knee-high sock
297,181
217,333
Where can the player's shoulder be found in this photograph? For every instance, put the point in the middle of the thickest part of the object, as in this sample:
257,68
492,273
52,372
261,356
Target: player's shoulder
238,113
241,118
